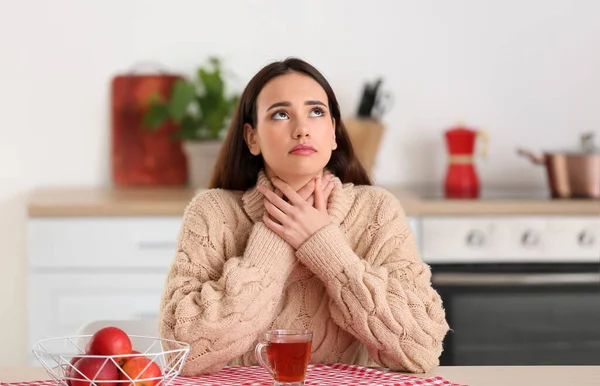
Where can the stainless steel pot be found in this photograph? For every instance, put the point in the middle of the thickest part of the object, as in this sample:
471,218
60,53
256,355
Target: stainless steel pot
571,174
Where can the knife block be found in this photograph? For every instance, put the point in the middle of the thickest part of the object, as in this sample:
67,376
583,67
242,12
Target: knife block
365,135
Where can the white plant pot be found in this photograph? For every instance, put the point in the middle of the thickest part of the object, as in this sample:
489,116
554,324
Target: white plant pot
201,158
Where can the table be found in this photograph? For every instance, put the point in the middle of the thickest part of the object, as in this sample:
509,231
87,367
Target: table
467,375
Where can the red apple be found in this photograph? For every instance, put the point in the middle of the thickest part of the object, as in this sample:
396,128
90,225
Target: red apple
141,368
109,341
128,358
70,371
95,369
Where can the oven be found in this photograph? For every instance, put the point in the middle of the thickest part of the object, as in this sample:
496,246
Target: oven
520,314
517,291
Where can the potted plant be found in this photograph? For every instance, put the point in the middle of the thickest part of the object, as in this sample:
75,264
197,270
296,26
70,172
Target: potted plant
202,111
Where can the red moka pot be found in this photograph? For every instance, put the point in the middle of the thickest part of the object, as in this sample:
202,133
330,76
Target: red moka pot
462,180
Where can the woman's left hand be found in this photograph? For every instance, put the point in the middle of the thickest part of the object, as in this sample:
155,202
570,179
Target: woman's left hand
296,220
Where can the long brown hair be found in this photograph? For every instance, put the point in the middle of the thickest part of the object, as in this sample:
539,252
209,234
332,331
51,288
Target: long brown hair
237,169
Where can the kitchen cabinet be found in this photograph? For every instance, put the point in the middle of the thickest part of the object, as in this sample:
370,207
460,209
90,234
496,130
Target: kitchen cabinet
93,268
60,303
102,242
83,269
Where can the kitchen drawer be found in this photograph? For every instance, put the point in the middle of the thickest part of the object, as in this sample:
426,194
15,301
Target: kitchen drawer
510,239
60,304
136,242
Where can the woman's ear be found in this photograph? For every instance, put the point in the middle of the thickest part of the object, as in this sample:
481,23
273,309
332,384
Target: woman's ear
250,138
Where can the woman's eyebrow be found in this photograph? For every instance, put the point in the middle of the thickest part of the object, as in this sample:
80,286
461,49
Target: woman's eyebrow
279,104
314,103
288,104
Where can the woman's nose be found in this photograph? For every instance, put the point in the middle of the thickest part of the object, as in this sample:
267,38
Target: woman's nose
301,130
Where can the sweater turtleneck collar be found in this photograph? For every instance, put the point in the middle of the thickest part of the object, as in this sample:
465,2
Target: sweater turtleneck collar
338,206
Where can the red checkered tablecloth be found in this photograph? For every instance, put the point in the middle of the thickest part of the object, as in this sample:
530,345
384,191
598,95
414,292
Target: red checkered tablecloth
317,375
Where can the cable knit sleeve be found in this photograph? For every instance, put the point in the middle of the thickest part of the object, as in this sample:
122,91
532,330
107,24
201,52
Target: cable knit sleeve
219,304
384,298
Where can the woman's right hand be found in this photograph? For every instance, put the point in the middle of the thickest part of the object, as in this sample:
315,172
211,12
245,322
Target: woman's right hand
307,192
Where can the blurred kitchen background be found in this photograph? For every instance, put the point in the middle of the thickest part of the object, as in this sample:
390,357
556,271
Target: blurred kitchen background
525,72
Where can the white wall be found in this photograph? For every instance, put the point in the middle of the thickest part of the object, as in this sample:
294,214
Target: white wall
520,69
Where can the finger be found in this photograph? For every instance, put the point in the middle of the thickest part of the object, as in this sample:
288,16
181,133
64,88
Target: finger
319,200
275,199
275,212
280,194
289,192
272,225
326,192
328,189
307,190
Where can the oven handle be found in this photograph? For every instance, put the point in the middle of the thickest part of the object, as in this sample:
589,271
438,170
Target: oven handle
510,279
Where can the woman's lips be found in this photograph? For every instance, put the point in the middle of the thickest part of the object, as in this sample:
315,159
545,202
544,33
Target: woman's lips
303,150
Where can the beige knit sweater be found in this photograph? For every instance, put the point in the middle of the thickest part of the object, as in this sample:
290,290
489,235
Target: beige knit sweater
358,284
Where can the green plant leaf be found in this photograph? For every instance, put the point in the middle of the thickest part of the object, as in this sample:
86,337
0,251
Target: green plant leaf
215,122
155,116
183,94
212,82
188,128
200,109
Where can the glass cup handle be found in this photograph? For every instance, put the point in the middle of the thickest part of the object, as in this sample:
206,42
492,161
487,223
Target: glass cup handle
259,356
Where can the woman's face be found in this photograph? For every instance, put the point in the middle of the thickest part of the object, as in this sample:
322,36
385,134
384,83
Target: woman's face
294,132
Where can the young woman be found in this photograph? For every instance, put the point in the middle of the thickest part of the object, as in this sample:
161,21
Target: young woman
292,235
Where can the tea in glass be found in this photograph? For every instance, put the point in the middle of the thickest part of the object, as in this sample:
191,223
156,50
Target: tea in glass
288,353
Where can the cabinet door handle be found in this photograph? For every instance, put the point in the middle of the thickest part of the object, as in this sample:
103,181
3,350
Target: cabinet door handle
158,244
586,239
146,315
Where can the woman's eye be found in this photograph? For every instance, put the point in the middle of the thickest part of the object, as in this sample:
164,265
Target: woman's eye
317,112
280,115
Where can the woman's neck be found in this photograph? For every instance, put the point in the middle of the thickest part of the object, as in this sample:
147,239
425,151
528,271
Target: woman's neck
294,180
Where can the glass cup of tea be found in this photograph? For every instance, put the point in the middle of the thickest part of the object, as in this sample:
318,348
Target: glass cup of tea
288,353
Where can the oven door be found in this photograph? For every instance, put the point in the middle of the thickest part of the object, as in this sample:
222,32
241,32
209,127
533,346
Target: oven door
525,314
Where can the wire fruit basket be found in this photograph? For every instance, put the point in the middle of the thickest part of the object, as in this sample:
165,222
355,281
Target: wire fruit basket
164,361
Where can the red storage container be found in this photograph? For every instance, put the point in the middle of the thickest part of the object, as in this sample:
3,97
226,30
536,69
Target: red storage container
141,157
